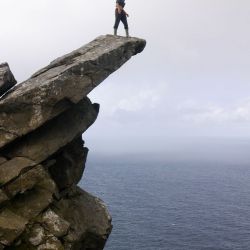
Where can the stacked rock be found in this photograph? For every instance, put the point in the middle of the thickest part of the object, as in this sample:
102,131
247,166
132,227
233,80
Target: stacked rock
42,154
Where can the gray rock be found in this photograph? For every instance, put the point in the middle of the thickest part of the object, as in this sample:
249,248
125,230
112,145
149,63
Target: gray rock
90,222
3,197
31,203
52,243
27,181
13,168
69,164
11,226
66,80
7,80
36,236
2,160
60,131
42,155
54,223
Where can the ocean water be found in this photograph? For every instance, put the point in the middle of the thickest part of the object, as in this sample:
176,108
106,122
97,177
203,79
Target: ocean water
163,204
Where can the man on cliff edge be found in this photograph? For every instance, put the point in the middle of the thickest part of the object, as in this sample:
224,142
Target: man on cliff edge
121,15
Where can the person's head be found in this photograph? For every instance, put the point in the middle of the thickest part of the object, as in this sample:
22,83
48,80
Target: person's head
121,3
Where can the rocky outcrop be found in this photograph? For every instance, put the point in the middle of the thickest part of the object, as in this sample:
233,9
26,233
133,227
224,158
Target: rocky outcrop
7,80
42,154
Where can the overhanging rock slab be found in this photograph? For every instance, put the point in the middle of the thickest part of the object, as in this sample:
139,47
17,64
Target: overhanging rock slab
66,80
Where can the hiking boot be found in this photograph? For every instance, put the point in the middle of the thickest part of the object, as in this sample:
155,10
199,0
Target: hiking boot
127,33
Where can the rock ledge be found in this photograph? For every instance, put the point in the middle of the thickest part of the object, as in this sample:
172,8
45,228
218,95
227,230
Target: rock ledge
42,154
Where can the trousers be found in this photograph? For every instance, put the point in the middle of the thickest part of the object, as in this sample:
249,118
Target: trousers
120,17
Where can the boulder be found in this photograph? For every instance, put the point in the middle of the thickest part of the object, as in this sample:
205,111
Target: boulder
7,80
90,221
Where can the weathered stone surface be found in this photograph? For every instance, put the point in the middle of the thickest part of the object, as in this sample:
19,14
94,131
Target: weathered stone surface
29,205
90,222
54,224
27,181
69,164
7,79
42,155
2,160
66,80
36,236
47,140
52,243
3,197
11,226
33,202
13,168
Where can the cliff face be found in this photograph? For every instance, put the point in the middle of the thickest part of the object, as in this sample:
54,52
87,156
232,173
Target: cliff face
42,155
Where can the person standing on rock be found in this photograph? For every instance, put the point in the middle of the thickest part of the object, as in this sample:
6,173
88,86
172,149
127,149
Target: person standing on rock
121,15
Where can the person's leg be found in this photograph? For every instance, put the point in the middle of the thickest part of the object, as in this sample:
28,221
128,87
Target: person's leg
125,23
127,33
117,21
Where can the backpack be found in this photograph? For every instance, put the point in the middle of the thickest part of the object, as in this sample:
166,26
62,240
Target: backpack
121,3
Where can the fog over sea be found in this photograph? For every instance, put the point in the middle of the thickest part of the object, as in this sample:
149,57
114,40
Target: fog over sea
194,196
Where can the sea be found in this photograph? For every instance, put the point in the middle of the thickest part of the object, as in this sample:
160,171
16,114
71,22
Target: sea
188,200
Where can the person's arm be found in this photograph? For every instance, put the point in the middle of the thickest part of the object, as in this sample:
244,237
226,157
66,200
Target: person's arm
120,9
126,13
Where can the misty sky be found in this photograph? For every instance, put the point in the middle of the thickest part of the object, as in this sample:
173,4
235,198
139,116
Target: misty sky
193,78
